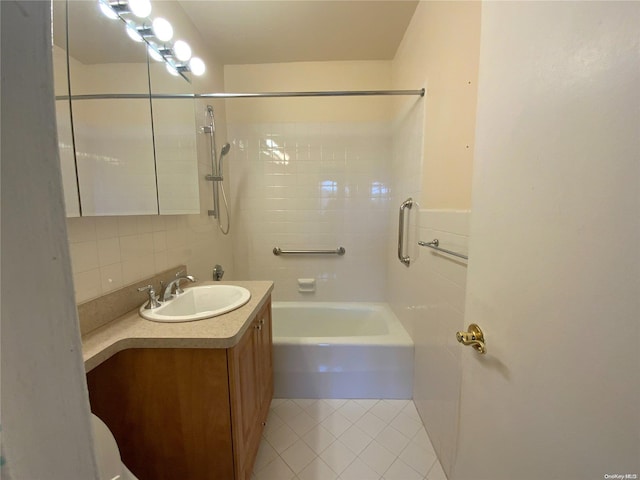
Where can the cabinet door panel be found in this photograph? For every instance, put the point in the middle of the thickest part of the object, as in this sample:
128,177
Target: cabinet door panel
265,360
245,401
168,410
114,152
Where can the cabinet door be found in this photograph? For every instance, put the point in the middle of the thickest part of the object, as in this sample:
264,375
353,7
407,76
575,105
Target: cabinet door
251,382
168,410
265,360
245,401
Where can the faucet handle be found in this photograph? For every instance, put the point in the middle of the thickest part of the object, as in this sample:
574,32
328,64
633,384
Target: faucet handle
153,299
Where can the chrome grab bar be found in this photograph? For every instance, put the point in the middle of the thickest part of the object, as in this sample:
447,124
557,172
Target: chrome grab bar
338,251
435,244
408,203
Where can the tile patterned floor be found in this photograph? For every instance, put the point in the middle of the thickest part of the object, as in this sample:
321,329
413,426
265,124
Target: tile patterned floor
345,440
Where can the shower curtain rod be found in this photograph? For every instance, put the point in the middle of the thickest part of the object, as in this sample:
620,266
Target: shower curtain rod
171,96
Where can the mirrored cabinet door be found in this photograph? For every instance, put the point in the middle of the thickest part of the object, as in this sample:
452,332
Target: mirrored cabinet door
113,137
120,156
63,111
174,126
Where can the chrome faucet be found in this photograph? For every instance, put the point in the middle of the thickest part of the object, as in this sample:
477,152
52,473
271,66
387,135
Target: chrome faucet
173,287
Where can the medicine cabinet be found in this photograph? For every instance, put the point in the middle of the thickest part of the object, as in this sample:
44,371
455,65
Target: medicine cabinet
119,156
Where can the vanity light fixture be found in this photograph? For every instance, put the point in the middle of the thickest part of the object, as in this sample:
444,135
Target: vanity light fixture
182,50
140,8
156,33
162,29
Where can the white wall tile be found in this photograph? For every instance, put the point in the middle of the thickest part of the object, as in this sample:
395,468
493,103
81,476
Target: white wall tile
108,251
111,277
319,198
84,256
429,296
87,284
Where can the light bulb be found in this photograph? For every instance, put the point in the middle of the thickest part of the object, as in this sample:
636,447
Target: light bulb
172,70
153,53
182,50
132,31
197,67
107,11
162,29
140,8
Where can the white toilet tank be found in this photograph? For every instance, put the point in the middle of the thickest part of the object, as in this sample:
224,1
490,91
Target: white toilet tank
110,466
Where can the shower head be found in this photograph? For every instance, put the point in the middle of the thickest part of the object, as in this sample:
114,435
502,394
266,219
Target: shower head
225,149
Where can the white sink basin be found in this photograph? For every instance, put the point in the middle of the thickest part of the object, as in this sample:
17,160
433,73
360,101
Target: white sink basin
200,302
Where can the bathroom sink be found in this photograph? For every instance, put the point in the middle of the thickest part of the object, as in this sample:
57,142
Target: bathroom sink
199,302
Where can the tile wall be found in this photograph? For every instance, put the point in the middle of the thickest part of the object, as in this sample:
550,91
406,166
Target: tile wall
312,186
429,299
108,253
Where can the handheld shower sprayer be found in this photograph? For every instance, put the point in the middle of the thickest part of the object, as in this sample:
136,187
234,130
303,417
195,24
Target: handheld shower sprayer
217,175
225,149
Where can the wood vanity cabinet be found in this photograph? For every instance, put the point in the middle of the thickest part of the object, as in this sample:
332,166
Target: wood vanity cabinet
251,384
188,413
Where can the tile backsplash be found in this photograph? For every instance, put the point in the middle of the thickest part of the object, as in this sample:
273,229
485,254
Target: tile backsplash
108,253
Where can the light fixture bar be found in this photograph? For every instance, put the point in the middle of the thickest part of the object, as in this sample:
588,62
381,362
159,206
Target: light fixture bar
156,33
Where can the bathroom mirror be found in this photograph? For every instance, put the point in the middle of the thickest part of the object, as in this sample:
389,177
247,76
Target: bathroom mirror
132,156
174,127
63,112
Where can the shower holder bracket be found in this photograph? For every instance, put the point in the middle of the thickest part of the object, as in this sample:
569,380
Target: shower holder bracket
213,178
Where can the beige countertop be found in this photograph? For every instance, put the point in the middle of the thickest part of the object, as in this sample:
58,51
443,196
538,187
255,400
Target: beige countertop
133,331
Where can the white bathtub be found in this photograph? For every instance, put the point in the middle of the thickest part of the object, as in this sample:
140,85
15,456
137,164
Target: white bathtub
340,350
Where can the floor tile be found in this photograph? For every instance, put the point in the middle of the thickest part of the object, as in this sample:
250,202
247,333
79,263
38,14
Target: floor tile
352,410
336,423
417,458
436,472
422,439
358,470
281,438
401,471
287,410
276,470
305,403
298,456
367,403
371,424
337,439
355,439
266,454
392,440
318,438
410,409
337,456
377,457
385,411
406,424
335,402
301,423
317,470
320,410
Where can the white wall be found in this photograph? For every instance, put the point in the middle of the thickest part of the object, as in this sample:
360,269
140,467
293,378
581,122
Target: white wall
45,406
311,173
554,276
432,162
